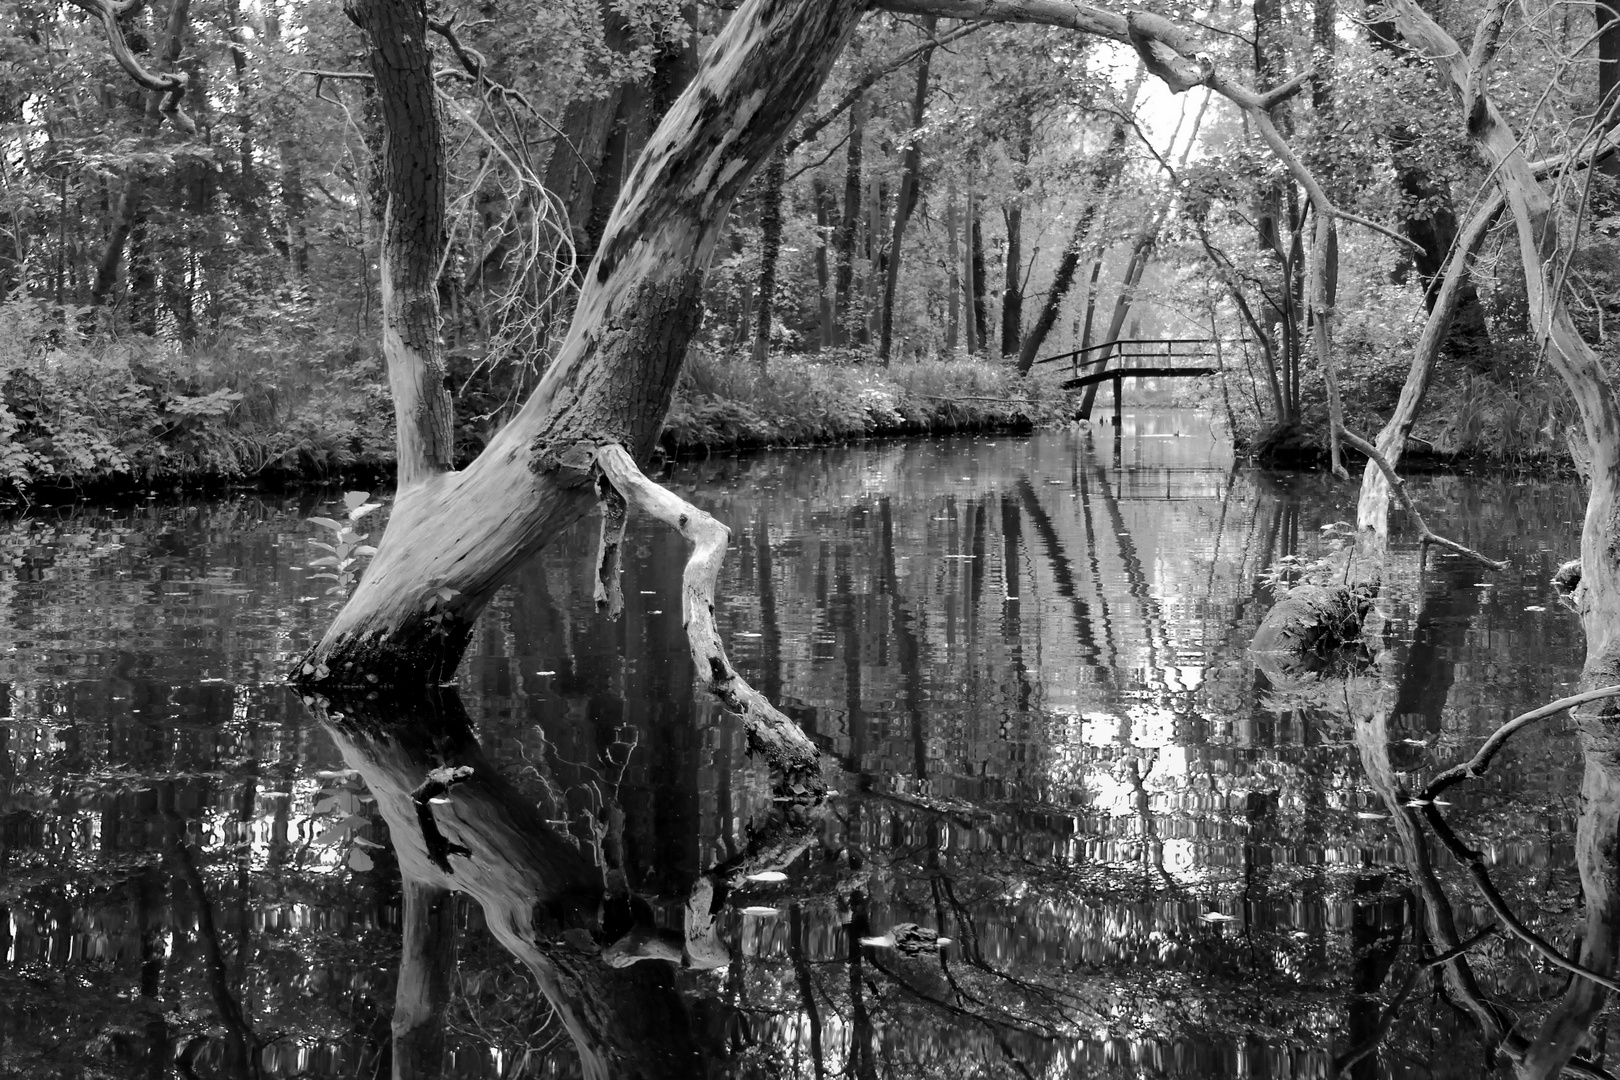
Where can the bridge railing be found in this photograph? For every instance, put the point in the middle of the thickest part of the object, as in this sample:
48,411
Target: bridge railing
1131,353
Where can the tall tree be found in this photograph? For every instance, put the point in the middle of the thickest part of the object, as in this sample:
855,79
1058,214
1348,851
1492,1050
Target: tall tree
910,177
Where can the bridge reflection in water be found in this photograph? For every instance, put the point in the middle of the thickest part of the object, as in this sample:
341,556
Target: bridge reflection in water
1026,658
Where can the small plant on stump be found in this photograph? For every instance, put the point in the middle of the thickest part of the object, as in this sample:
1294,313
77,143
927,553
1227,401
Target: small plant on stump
341,563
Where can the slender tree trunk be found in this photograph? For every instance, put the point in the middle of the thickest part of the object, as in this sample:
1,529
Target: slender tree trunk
876,255
770,247
455,538
976,285
827,320
1324,15
910,173
953,273
849,223
1607,14
1012,294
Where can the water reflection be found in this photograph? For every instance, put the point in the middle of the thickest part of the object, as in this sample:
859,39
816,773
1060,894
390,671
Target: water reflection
1026,658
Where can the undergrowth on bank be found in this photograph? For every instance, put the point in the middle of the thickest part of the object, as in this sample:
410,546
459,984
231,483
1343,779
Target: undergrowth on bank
76,412
306,403
723,400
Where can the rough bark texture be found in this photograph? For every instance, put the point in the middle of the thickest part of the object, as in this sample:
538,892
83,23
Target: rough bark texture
412,181
615,372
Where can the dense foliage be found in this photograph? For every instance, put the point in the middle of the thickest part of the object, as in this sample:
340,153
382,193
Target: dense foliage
206,302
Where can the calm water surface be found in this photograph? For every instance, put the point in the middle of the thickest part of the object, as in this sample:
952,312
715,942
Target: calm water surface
1026,657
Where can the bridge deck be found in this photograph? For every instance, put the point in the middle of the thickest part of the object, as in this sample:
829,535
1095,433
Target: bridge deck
1136,373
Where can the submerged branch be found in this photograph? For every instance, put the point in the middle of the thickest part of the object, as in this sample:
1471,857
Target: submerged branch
1475,767
771,734
1398,486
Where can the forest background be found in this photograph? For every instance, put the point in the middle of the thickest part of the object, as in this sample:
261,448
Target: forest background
191,290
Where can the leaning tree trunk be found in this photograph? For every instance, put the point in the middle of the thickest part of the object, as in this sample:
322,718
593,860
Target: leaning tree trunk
456,537
1598,595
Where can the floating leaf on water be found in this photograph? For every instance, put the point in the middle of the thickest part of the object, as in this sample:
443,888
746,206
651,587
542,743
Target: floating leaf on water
545,673
1535,607
1217,916
1368,815
748,633
768,875
757,909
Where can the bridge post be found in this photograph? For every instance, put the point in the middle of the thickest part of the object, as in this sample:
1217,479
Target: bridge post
1119,387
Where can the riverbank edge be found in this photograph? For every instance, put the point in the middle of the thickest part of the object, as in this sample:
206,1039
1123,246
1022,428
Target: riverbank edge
1010,416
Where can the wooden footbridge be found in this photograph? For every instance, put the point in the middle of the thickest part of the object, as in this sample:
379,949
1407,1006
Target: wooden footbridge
1135,358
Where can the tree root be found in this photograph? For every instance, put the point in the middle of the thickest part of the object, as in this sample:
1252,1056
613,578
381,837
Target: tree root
775,737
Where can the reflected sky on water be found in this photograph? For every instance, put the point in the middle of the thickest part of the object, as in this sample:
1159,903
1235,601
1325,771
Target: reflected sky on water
1025,660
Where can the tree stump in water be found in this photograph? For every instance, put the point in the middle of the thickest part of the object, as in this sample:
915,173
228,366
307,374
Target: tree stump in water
1313,618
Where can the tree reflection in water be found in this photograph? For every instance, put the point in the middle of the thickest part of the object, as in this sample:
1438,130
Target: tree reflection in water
1049,746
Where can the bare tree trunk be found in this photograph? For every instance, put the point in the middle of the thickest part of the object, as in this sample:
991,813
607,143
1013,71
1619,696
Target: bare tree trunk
953,273
875,256
1012,293
827,321
413,239
910,173
850,221
976,285
770,247
1607,14
455,537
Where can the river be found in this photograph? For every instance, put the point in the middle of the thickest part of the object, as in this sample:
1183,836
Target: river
1025,658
